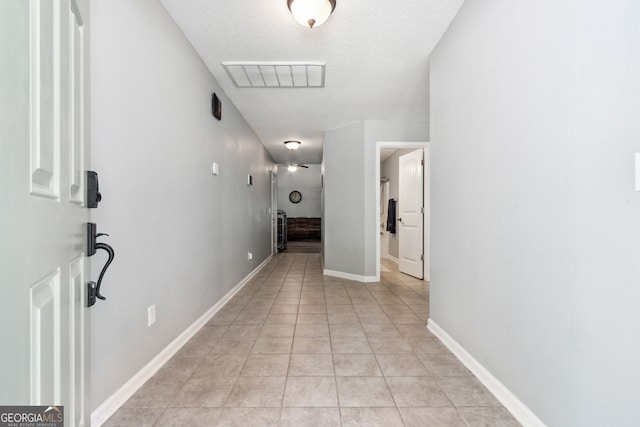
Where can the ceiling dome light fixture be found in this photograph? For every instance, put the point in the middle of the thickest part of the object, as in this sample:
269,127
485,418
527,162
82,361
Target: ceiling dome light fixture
311,13
292,145
292,168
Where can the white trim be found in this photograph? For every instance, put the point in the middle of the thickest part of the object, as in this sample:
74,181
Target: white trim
103,412
349,276
510,401
394,259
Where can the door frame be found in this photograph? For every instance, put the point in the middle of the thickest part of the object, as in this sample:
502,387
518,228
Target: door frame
274,211
426,229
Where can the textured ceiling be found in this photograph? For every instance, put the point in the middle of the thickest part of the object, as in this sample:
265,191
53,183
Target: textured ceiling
376,53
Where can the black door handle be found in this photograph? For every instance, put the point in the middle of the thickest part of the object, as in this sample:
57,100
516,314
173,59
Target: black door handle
93,288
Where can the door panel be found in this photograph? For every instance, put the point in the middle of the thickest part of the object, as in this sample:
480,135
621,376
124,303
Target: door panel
43,155
410,217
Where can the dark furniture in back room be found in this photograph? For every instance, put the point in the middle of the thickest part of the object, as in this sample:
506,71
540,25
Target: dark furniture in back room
303,228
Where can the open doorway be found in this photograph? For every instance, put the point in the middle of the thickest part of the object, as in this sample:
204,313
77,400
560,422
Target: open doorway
300,207
403,234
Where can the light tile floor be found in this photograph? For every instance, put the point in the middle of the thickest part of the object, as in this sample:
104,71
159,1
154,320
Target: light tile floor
296,348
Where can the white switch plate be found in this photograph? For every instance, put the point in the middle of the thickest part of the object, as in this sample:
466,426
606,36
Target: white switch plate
151,315
249,256
215,168
637,183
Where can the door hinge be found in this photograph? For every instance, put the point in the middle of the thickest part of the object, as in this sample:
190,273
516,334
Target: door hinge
422,210
421,257
422,162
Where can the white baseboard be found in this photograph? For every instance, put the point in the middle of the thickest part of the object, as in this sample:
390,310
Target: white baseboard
103,412
349,276
509,400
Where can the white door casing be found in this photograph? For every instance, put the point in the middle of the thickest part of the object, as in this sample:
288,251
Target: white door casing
410,214
43,156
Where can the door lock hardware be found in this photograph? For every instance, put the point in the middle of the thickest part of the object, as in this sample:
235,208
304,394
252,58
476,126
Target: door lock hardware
93,288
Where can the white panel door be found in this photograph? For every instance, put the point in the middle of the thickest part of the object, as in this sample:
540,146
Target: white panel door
410,214
274,213
43,153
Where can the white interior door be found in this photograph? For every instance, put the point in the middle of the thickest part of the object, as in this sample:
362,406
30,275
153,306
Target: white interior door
274,213
410,214
43,268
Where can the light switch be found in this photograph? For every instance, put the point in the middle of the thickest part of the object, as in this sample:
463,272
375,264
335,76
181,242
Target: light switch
215,168
637,183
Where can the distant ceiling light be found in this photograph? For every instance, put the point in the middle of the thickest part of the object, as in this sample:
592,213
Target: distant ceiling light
292,145
311,13
292,168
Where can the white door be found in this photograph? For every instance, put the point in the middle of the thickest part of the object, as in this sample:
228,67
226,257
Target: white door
43,269
410,214
274,213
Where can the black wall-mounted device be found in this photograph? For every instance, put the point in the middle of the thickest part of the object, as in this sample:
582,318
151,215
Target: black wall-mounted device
93,190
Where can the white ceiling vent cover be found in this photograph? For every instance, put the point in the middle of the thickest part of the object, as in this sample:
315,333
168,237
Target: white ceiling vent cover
276,74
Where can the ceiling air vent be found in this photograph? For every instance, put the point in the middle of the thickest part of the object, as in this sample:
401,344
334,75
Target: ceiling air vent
276,74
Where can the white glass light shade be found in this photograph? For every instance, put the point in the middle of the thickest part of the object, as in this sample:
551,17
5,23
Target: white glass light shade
292,168
292,145
311,13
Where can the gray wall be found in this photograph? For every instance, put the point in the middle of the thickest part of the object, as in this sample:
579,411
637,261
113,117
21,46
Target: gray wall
308,183
390,168
535,224
350,191
181,235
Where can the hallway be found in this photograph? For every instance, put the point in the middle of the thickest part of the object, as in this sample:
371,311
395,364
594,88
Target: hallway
296,348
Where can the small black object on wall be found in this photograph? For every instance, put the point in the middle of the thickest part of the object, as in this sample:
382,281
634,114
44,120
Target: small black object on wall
216,106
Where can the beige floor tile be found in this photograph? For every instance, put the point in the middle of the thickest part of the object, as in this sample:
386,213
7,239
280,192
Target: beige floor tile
380,330
257,392
346,330
417,391
284,309
367,309
286,300
221,365
488,416
443,365
312,318
390,345
266,365
309,392
312,309
350,345
251,318
128,417
249,417
419,330
340,309
318,301
311,330
310,417
311,345
466,391
432,417
356,365
197,348
155,393
401,365
277,331
204,392
336,318
281,319
208,332
374,318
178,368
427,345
272,345
363,392
405,319
371,417
243,331
307,365
180,417
233,345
